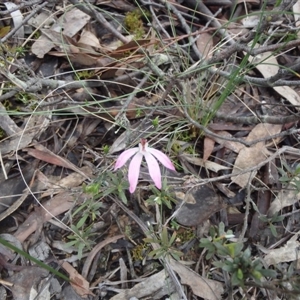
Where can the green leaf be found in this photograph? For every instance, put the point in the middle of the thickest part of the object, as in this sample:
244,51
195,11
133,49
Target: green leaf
150,240
164,236
82,221
204,242
236,281
234,249
212,231
268,273
172,239
257,275
263,218
176,254
123,197
71,243
247,254
221,249
80,208
273,230
219,264
108,191
227,266
278,218
240,274
76,230
156,253
80,250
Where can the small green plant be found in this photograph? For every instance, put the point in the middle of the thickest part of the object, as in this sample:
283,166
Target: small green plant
115,184
20,51
240,265
134,24
85,74
161,197
166,245
83,235
290,175
26,98
138,252
108,183
139,112
87,213
270,221
218,237
155,122
81,238
105,149
232,258
174,225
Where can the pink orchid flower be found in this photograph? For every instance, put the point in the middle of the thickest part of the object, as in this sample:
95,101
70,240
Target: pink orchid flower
150,155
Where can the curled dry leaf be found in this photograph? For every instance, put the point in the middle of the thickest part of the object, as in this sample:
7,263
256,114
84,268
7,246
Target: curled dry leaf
202,287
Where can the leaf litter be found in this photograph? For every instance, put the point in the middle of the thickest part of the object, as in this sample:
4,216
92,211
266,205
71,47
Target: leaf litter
214,86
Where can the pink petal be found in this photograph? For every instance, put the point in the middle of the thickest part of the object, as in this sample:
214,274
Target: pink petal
124,156
134,171
163,158
154,169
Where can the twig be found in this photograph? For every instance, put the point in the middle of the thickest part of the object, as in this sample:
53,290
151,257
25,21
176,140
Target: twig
258,119
228,51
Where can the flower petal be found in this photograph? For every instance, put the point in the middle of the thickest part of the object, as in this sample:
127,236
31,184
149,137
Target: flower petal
134,171
163,158
154,169
124,156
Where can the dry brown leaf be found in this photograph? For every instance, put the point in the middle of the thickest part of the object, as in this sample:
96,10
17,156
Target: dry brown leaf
285,197
286,253
88,41
57,185
6,123
70,22
208,148
210,165
79,283
201,286
46,155
55,206
251,156
205,44
234,146
147,288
